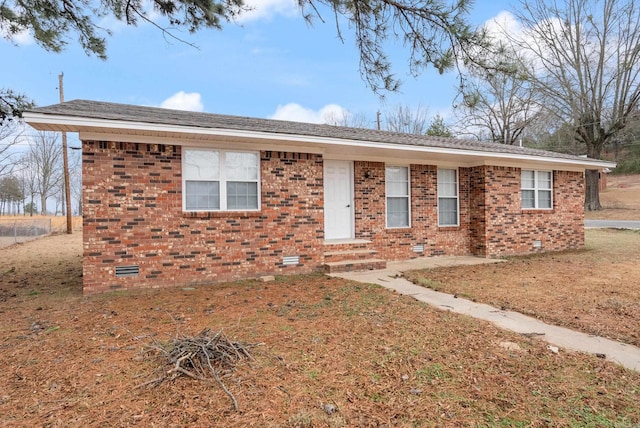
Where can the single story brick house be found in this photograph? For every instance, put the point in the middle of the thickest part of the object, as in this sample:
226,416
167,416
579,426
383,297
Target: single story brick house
181,198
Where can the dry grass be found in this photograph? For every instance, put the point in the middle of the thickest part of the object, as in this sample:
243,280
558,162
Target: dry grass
621,199
594,290
335,354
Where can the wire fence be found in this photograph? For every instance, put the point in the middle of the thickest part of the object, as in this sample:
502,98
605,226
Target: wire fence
19,230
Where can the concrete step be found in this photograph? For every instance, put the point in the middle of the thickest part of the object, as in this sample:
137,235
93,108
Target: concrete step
351,254
358,265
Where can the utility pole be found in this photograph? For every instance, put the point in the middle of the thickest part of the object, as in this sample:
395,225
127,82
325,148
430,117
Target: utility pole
65,159
378,119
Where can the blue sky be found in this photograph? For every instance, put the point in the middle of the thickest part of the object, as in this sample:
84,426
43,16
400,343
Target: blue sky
272,65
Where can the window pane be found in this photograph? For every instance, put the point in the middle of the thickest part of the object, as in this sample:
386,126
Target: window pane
447,211
241,166
242,196
397,173
528,199
447,189
201,165
202,195
397,181
544,199
528,179
397,189
447,185
398,212
544,180
446,176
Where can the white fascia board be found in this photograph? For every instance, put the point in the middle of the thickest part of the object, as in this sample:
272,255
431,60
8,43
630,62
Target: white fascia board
82,123
200,142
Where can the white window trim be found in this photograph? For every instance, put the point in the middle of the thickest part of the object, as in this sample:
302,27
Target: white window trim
386,197
222,180
536,190
457,198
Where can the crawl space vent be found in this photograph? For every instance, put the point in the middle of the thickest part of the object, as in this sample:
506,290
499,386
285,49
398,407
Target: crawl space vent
122,271
291,260
418,248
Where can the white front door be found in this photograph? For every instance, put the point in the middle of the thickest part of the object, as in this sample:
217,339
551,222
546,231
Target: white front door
338,199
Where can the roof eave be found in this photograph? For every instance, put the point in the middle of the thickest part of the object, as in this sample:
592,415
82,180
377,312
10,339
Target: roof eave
47,121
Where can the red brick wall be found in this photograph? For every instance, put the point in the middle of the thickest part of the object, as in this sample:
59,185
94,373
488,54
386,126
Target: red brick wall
477,211
492,223
509,230
133,216
395,244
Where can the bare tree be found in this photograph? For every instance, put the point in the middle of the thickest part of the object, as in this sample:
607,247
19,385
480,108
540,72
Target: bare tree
45,158
28,174
499,103
75,184
10,136
587,57
11,194
348,119
407,120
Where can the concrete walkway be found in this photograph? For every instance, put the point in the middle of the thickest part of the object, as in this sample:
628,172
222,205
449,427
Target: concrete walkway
625,355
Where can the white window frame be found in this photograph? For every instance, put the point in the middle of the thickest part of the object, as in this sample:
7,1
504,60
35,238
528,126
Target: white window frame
456,197
536,189
222,179
407,196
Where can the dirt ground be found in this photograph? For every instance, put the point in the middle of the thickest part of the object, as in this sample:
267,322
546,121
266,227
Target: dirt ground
328,352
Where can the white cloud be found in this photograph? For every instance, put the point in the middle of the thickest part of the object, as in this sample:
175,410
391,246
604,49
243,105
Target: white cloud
526,41
297,113
267,9
502,24
184,101
23,38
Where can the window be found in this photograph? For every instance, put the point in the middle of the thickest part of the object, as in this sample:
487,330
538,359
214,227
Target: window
220,181
537,189
448,197
398,201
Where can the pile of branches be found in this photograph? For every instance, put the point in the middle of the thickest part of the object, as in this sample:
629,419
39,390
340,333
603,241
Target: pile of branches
201,357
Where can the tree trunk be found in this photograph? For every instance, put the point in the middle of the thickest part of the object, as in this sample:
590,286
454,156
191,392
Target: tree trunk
592,176
592,195
43,202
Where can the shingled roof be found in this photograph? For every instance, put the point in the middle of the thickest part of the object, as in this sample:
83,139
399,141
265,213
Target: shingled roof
105,111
